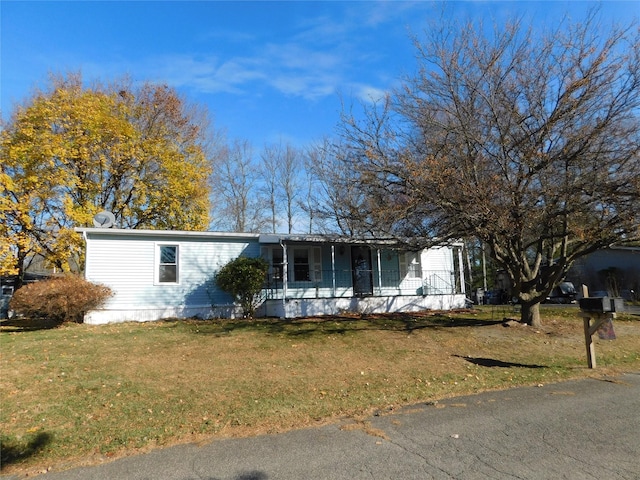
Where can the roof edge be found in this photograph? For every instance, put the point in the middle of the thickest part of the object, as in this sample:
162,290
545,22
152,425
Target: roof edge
158,233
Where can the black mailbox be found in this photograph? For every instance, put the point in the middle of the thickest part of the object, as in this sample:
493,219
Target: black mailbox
601,304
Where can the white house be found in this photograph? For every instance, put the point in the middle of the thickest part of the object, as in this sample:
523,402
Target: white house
159,274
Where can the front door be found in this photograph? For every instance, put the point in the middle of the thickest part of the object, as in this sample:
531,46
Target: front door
362,271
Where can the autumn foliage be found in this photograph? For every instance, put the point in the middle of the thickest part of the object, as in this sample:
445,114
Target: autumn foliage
74,150
61,299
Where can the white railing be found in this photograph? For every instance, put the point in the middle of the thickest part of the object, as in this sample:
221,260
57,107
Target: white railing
350,283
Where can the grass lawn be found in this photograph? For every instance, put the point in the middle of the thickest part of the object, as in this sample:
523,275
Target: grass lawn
82,394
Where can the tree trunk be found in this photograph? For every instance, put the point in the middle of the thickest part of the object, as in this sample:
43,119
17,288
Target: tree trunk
20,265
530,314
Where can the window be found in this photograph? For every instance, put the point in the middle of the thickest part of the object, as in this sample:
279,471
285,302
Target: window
167,256
304,264
307,264
301,265
273,255
276,261
410,265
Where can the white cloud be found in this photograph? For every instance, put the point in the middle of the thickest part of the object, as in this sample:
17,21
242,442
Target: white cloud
322,55
291,69
368,93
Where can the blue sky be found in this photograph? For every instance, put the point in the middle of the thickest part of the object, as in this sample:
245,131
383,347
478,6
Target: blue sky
267,71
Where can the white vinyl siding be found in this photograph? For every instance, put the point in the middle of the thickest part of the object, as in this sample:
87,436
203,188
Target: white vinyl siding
128,264
410,266
439,266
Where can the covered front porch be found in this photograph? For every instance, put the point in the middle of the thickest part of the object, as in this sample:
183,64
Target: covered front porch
311,276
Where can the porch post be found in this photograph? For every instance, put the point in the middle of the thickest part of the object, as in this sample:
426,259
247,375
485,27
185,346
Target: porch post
285,278
333,269
379,271
463,287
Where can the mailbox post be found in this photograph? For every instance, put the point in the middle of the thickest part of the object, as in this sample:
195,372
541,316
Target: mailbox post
600,310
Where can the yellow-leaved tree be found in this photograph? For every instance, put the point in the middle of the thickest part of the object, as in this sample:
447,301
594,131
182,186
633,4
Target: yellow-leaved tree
72,151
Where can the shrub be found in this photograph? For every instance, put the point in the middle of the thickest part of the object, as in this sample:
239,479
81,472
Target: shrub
60,299
243,278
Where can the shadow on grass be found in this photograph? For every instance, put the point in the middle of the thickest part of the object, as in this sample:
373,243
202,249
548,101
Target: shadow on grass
491,362
340,324
14,451
17,324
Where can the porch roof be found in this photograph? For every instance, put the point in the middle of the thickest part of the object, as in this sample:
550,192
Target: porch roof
317,238
263,238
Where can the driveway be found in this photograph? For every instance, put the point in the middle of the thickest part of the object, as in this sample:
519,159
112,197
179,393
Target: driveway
587,429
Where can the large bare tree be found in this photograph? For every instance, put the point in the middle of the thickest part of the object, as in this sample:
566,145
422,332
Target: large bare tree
528,141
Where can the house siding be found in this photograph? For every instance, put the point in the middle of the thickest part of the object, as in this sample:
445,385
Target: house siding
127,260
127,264
440,262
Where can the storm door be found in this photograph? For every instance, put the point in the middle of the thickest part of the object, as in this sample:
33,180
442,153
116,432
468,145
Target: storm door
362,271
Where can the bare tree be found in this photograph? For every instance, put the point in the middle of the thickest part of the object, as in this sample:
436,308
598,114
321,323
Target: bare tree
281,182
289,181
528,142
337,198
236,207
269,190
308,203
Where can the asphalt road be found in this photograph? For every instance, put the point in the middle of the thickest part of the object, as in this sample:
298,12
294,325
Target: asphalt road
587,429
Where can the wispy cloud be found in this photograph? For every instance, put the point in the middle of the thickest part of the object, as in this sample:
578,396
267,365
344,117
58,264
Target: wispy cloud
290,69
368,93
321,56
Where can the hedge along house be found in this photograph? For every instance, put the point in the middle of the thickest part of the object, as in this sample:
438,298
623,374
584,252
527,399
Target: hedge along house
158,274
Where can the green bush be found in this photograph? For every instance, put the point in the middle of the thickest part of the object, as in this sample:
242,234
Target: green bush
243,278
60,299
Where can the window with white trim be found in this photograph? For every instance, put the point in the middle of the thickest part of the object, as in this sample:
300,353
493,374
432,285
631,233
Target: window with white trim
304,263
167,257
410,266
301,269
274,256
307,264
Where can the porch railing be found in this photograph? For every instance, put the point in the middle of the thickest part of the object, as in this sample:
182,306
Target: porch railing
354,283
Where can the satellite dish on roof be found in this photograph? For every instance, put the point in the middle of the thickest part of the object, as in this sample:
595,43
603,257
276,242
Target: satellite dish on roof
104,219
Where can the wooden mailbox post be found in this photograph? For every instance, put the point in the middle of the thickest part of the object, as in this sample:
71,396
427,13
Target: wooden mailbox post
600,310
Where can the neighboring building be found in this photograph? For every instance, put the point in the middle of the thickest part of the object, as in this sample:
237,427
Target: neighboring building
8,287
614,271
159,274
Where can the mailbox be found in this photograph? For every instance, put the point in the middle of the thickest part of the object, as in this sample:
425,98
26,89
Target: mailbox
601,304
